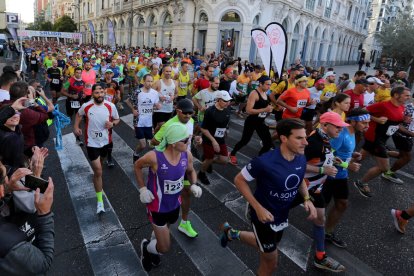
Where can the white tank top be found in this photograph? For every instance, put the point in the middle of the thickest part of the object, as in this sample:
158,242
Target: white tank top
167,91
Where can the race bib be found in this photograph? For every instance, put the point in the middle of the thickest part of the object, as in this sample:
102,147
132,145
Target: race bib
74,104
330,95
302,103
145,110
279,227
356,104
220,132
88,86
133,67
329,159
109,98
33,62
262,115
183,85
242,88
100,136
391,130
173,187
55,81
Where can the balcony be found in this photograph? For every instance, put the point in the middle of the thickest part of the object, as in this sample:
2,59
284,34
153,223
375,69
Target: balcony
107,11
91,15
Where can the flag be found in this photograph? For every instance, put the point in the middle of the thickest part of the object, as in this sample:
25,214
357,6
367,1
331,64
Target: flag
278,44
111,35
263,47
92,29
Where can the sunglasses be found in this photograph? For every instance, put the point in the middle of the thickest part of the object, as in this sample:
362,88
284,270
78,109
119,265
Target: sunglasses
185,141
224,101
337,127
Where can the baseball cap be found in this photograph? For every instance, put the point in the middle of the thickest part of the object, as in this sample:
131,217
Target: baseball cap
108,71
168,54
185,105
224,95
332,118
320,81
373,80
330,73
362,81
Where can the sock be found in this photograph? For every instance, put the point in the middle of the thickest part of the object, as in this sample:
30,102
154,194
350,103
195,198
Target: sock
389,172
405,215
152,247
319,235
233,234
99,196
183,221
153,235
319,254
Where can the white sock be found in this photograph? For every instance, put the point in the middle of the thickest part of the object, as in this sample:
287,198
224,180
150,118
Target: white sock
153,236
152,247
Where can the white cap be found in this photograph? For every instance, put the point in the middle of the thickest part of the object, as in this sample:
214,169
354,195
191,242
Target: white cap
167,54
224,95
329,73
375,80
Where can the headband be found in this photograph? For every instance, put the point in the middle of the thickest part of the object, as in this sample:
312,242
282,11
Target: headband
359,118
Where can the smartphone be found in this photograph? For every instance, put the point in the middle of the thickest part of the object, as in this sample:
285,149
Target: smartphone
32,182
29,103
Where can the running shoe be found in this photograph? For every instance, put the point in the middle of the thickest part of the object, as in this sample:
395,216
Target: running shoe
203,178
224,237
187,229
110,163
233,160
100,208
79,141
145,256
335,240
327,263
362,188
391,176
399,223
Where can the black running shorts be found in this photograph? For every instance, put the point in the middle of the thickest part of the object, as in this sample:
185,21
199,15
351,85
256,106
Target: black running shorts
163,219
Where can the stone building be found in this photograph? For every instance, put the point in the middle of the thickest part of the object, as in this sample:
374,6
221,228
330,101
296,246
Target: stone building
320,32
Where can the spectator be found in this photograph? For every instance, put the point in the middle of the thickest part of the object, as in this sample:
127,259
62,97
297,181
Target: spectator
6,80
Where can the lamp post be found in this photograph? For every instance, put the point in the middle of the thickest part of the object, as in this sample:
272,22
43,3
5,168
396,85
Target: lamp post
78,7
131,23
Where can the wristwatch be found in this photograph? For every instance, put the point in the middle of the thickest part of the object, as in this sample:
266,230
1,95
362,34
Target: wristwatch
306,198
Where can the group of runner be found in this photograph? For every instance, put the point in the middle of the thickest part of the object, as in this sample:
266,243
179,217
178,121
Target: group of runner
320,124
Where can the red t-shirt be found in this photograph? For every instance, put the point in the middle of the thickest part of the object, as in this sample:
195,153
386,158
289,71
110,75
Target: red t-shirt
294,98
381,132
201,84
356,100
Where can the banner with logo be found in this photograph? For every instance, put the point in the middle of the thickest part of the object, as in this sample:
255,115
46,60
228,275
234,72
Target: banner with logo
278,44
27,33
111,35
92,29
263,47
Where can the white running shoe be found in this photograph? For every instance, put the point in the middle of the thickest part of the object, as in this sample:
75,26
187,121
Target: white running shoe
100,208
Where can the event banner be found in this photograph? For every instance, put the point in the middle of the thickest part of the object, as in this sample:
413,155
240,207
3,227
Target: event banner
278,44
111,35
27,33
92,29
263,47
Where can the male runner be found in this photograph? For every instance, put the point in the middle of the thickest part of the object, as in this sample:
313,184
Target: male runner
385,120
167,89
101,117
206,98
89,77
185,110
55,78
183,80
279,177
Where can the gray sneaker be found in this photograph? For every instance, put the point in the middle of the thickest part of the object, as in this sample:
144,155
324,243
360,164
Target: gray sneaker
391,176
327,263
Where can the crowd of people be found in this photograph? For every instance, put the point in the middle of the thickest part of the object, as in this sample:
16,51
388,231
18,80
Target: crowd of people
182,103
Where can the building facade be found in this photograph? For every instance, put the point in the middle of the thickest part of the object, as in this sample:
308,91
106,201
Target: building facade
381,12
320,32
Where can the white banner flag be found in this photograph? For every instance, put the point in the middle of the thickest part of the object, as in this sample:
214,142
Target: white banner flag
263,47
278,44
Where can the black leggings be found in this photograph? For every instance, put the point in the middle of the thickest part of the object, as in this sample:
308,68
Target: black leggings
250,125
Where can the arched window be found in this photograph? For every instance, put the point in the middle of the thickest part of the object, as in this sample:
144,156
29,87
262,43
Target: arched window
203,18
231,17
167,19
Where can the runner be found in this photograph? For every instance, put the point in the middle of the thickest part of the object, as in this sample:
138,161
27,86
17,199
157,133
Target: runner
279,177
206,98
55,79
401,218
142,103
309,112
185,110
89,78
320,165
258,107
330,89
183,80
388,116
337,187
34,64
215,124
167,166
167,89
243,82
101,117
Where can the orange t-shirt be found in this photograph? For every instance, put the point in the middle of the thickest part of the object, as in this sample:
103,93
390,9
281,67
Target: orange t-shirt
295,99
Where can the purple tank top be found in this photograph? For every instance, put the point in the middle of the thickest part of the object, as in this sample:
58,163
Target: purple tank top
166,184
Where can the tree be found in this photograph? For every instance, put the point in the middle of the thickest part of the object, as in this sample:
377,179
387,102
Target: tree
45,26
64,24
397,40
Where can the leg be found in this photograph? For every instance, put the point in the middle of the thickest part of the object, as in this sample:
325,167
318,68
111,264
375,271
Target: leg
264,134
403,159
383,165
162,239
248,131
335,214
268,263
185,226
97,174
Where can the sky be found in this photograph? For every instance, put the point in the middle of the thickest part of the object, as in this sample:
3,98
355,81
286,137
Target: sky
23,7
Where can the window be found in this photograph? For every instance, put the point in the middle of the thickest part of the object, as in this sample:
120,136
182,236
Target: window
310,4
381,14
103,4
338,7
349,13
328,8
230,17
378,28
319,3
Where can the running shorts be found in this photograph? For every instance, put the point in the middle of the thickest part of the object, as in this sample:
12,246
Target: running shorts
336,188
403,143
94,153
143,133
163,219
209,153
376,148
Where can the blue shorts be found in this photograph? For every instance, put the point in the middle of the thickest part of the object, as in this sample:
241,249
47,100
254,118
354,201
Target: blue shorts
143,133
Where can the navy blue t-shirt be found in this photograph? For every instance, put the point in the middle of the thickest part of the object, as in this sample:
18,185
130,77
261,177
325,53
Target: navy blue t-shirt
277,180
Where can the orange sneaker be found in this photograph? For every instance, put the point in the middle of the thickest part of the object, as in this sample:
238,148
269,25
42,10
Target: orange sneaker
399,223
233,160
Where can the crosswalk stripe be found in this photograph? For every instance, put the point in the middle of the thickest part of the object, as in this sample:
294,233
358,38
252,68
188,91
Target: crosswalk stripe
207,260
109,249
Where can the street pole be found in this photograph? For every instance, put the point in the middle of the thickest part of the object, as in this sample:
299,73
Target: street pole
78,16
131,23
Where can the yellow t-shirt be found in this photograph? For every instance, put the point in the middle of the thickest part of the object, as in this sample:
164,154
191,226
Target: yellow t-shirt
329,91
279,88
183,82
382,94
70,71
311,82
132,66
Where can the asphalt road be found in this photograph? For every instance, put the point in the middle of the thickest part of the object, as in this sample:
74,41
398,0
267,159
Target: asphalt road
87,244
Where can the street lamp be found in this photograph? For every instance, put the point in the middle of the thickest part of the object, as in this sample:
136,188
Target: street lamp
78,7
131,23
